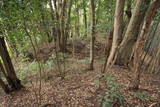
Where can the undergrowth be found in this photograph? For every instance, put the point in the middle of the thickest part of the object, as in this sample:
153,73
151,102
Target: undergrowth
113,96
143,96
32,69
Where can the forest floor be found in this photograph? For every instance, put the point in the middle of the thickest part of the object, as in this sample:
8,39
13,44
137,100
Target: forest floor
80,87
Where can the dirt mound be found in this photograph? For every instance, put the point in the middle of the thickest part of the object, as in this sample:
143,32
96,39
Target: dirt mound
43,52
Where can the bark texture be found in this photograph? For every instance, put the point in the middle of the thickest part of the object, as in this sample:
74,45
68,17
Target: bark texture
151,12
131,34
92,34
10,74
118,30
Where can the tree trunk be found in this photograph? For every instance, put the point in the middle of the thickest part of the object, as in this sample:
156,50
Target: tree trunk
67,28
53,17
4,73
59,11
77,23
85,16
92,35
118,30
4,86
107,50
62,27
131,34
44,23
14,82
13,46
141,42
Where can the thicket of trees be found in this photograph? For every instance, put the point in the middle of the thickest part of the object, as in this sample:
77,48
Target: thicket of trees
126,25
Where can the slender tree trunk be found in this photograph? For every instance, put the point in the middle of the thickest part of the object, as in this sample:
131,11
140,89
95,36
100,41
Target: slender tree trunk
62,25
98,12
118,30
141,42
67,28
85,16
63,47
77,23
53,17
59,11
45,28
92,34
108,46
55,31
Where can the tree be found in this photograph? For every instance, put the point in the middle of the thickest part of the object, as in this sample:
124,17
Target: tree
131,34
118,30
10,74
60,14
2,83
85,16
150,14
92,34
